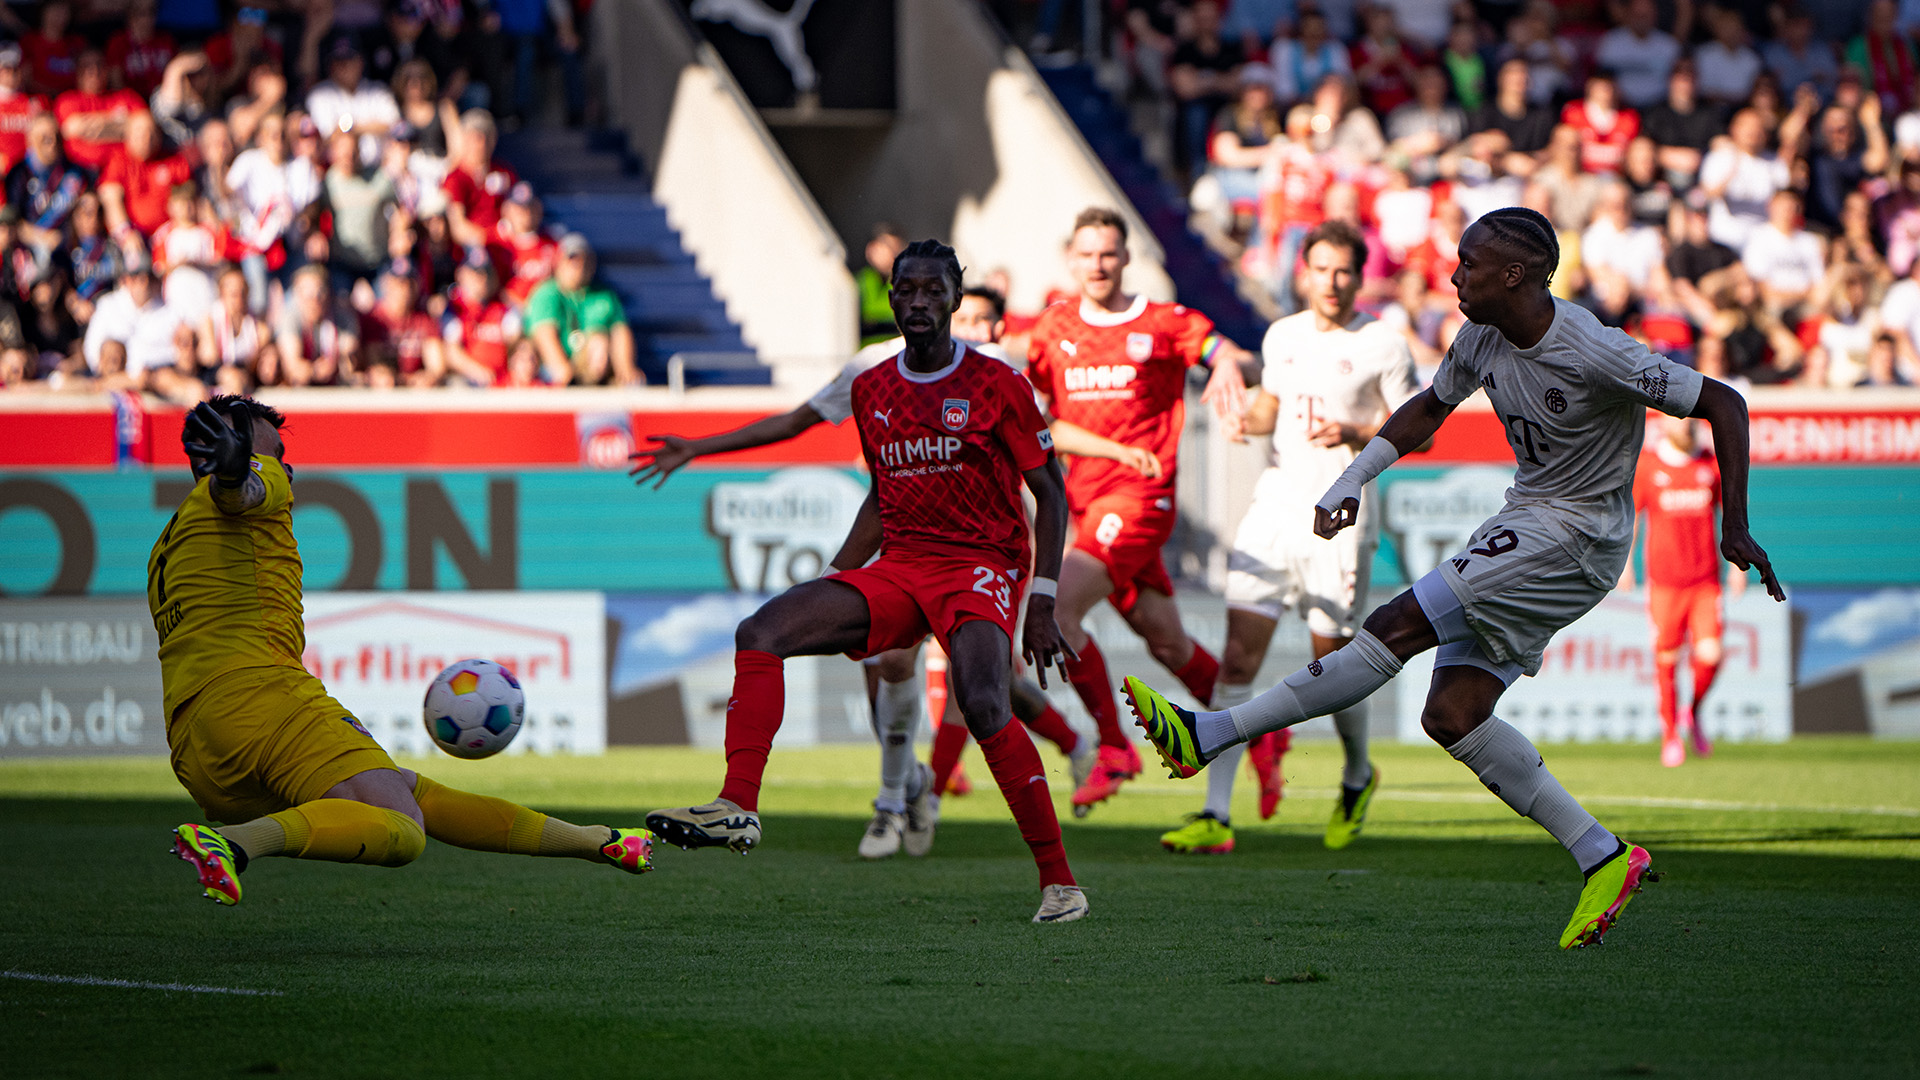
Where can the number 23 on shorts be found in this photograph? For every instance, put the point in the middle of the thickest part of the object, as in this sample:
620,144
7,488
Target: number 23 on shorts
995,586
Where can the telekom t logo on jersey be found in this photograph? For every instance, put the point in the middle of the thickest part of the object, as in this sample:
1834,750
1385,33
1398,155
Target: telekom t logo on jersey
904,452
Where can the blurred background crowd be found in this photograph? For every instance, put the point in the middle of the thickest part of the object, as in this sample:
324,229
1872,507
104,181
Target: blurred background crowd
1737,183
204,199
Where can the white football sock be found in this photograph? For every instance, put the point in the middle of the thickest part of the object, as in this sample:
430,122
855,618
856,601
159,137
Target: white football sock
1351,723
1226,766
896,710
1509,765
1334,682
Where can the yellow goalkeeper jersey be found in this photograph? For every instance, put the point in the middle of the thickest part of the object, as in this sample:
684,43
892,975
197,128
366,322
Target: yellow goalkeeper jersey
224,588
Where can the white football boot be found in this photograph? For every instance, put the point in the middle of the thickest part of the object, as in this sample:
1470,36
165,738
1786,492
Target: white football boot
1061,903
883,835
923,814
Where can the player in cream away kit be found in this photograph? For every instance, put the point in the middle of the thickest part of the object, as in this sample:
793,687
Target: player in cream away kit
1331,378
1572,395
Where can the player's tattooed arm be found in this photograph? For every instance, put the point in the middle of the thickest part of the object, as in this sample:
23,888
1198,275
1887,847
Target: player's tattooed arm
864,538
1725,411
1071,438
670,453
1043,644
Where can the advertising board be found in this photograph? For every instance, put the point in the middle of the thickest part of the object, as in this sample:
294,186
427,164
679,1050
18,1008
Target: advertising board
79,677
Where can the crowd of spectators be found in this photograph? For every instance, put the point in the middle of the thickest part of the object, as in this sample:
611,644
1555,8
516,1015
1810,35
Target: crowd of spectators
1727,184
287,195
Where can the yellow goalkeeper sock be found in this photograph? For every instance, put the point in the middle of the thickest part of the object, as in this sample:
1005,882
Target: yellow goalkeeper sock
341,830
484,823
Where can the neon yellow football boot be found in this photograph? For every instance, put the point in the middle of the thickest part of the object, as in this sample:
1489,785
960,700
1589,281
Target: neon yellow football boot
1608,890
1203,834
1169,728
1347,820
630,850
212,857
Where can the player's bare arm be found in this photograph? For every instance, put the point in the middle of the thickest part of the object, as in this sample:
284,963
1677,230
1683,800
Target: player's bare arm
219,449
863,539
670,453
1071,438
1234,369
1411,427
1044,644
1725,411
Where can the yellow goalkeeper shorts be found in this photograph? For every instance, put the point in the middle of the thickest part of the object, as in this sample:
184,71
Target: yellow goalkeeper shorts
259,740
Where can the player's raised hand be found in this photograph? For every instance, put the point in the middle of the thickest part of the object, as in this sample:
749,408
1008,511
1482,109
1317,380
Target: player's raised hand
1328,523
1142,461
1738,546
1043,644
661,460
216,446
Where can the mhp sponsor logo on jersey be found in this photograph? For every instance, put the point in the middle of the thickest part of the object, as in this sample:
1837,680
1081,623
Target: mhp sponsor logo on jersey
954,413
378,652
1099,377
930,448
781,531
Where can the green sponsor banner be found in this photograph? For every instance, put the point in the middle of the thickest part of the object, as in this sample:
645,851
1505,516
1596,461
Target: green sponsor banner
758,530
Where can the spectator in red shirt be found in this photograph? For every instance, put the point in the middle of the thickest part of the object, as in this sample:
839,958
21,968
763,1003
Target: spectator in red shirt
525,255
1605,128
481,331
397,334
52,53
139,55
138,177
93,119
477,184
17,107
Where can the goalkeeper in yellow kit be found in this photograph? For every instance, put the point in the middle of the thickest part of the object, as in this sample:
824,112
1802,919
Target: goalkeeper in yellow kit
255,739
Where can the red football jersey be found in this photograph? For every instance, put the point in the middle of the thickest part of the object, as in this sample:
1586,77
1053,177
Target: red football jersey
1679,498
16,112
1124,377
947,450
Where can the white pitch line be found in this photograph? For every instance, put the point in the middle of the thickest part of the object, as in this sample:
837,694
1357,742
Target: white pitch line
1163,787
128,984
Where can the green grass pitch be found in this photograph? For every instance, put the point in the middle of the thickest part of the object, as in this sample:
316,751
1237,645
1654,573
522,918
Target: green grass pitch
1782,940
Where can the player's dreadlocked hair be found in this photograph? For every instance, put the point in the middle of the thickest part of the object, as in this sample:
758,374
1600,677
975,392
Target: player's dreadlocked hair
932,249
240,409
1530,234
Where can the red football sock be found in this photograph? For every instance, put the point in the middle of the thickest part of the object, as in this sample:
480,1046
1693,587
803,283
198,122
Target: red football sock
753,715
1663,679
1089,677
948,740
1703,676
1199,674
1053,727
1023,780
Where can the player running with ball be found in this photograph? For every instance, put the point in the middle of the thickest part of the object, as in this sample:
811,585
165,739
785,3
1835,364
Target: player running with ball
255,739
948,436
1330,379
1572,395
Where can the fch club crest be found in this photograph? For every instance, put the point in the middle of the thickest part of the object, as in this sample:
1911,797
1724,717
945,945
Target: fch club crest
953,413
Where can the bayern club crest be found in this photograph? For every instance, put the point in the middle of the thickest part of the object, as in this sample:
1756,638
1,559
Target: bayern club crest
954,412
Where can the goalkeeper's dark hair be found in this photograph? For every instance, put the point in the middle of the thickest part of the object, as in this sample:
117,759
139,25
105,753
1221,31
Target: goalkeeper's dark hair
932,249
236,407
1530,235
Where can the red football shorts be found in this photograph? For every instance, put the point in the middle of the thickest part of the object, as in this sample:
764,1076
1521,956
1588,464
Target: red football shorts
1126,534
910,596
1680,612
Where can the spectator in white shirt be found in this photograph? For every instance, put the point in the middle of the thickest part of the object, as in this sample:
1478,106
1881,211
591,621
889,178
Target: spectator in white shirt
1784,259
346,101
1900,319
1614,246
135,340
1640,54
1842,358
1725,68
1738,178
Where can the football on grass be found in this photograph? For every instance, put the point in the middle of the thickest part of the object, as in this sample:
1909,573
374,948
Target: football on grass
474,708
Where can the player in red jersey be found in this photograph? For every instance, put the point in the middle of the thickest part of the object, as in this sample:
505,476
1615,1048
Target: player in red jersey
1116,366
17,107
948,435
1677,487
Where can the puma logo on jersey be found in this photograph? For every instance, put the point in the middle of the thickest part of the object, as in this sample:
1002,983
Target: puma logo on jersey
1069,348
884,417
1100,377
927,448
